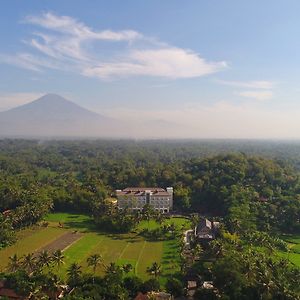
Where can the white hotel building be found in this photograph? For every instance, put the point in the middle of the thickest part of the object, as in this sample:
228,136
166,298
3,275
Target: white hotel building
136,198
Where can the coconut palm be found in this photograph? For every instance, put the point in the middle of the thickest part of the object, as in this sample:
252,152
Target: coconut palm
58,258
44,259
52,284
14,263
127,268
112,268
29,262
74,273
94,261
154,270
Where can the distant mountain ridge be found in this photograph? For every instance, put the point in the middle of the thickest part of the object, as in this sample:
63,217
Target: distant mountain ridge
53,105
52,116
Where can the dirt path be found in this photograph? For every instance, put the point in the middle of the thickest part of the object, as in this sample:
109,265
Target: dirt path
62,242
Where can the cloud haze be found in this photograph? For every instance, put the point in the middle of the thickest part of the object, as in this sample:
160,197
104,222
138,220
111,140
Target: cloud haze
221,120
259,84
10,100
257,95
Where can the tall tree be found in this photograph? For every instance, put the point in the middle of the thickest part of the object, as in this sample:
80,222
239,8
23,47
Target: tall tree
154,269
127,268
29,262
94,261
74,273
13,263
58,258
44,259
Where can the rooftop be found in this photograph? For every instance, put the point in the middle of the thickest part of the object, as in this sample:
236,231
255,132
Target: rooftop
140,191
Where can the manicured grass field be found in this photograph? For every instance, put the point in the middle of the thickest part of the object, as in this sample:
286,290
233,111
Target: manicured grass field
72,221
119,248
179,222
30,240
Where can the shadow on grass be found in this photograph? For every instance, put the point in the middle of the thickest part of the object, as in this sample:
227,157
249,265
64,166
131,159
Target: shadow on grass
86,225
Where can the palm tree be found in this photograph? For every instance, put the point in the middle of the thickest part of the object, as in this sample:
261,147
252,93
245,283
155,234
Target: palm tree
127,268
112,268
52,284
14,263
155,269
58,258
44,259
29,262
74,273
94,261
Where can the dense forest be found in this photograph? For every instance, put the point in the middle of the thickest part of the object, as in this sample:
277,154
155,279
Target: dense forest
252,187
207,179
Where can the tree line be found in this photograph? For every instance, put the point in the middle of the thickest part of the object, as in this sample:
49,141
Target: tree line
250,191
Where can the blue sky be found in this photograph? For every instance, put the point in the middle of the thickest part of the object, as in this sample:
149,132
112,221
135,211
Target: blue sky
217,68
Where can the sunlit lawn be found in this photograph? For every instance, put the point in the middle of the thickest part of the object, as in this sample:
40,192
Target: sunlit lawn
293,241
30,240
152,224
73,221
119,248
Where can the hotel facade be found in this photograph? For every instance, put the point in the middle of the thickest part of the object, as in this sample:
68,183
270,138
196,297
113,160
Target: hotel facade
136,198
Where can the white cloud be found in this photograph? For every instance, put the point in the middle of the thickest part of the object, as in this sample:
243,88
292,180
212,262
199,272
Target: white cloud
68,25
19,61
167,62
257,95
259,90
10,100
259,84
67,44
32,62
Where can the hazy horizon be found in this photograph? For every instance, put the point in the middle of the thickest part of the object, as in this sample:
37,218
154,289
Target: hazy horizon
193,70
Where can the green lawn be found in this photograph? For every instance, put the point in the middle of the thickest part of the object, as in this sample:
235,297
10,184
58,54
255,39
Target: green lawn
294,245
170,258
293,257
148,225
119,248
79,251
73,221
30,240
179,222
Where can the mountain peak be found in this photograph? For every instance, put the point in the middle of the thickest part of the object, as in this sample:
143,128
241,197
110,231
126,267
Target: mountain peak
53,115
52,99
52,104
